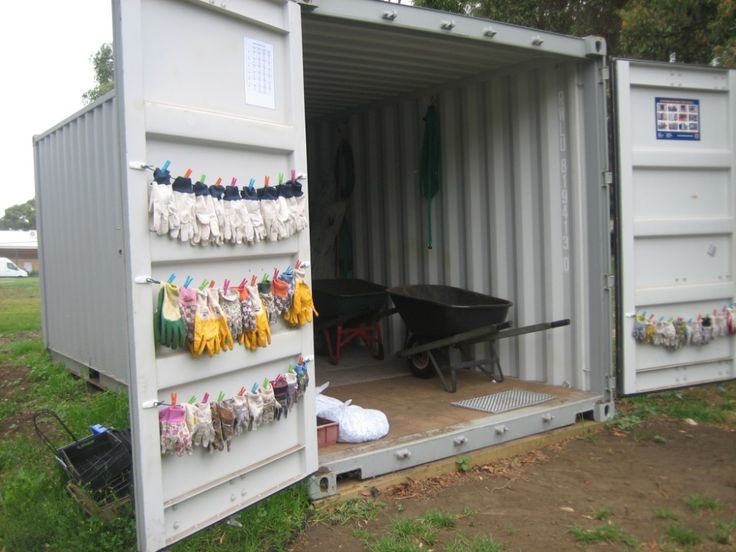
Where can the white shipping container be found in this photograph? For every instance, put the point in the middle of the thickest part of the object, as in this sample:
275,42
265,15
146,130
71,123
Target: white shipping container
523,214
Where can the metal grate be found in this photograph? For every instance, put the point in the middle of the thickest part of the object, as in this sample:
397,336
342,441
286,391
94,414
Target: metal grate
504,401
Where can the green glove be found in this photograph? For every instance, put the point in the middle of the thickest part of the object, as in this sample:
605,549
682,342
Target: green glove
172,331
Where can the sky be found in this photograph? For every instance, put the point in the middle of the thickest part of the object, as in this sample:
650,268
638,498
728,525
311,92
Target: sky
45,50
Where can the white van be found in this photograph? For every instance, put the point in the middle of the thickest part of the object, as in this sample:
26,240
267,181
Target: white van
8,269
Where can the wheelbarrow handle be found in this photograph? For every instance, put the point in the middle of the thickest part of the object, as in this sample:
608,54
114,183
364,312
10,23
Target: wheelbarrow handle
560,323
41,435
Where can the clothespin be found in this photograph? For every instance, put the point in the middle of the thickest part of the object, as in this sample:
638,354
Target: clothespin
165,166
298,264
225,285
192,399
293,175
253,280
267,180
266,383
234,181
242,284
171,278
188,281
291,369
254,389
252,183
206,398
220,396
203,284
212,283
217,182
275,273
173,399
203,178
301,360
281,178
265,279
188,173
242,391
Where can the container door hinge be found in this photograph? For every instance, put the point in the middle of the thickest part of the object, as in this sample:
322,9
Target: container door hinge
607,179
307,4
609,281
605,73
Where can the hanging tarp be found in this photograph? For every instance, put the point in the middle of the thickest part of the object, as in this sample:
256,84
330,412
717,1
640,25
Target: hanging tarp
430,170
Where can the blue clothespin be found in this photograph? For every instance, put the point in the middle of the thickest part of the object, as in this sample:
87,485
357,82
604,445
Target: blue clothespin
171,278
188,281
252,183
254,389
166,166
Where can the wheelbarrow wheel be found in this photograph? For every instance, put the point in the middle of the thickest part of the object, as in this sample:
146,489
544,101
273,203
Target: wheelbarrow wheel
420,364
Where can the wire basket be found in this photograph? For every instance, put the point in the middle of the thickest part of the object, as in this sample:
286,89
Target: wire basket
101,463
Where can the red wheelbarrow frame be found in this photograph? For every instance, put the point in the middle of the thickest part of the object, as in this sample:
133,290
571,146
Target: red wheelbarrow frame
365,326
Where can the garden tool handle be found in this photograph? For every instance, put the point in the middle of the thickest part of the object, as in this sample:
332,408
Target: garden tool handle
560,323
41,435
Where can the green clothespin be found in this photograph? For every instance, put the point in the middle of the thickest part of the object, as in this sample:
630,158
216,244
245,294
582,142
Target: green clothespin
265,279
220,397
266,383
291,369
192,399
203,285
281,178
203,178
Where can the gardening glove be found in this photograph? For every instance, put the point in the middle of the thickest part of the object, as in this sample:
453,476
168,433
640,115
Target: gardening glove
681,333
216,193
270,406
670,335
188,309
242,414
225,338
253,207
160,202
720,329
639,332
247,310
248,231
268,302
233,224
269,211
175,435
297,205
292,384
255,408
183,195
281,394
286,226
172,331
281,297
226,412
201,215
302,378
707,329
218,442
696,332
302,307
230,305
206,329
199,422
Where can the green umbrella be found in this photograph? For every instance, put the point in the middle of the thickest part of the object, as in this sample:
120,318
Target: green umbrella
431,167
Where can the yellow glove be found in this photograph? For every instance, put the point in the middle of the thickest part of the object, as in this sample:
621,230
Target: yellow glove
224,336
206,329
302,307
263,330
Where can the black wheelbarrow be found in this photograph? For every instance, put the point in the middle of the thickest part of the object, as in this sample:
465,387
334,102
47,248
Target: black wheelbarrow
444,318
350,309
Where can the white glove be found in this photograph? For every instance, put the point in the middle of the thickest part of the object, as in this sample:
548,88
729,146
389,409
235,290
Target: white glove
246,224
233,224
184,209
160,202
269,211
253,207
216,193
202,215
286,227
297,205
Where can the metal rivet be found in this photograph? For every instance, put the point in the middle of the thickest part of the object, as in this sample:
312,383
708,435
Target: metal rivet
537,41
243,492
490,32
500,430
402,454
176,525
548,417
232,498
459,441
390,15
448,25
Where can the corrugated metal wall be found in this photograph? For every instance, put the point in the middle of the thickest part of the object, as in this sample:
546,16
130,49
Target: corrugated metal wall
78,197
510,219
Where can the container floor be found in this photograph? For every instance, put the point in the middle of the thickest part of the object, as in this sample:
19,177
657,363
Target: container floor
415,407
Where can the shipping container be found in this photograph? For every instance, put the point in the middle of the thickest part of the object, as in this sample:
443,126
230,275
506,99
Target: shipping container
256,87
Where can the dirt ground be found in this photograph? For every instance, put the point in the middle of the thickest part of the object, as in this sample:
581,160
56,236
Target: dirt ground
637,480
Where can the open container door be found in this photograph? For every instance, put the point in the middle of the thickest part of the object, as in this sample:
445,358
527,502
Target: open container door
216,87
676,182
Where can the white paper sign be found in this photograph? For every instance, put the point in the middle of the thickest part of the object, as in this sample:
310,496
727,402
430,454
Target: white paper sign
259,86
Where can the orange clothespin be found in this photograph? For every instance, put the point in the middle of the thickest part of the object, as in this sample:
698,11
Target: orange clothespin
268,178
242,284
298,263
212,283
217,182
253,280
188,173
301,360
242,391
173,399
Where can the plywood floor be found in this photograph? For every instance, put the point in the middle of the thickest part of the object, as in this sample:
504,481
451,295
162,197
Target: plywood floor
412,405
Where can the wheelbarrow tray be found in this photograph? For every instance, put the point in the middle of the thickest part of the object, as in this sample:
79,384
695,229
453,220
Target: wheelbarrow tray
436,311
345,297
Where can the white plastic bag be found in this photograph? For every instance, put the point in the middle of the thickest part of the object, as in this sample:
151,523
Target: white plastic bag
357,424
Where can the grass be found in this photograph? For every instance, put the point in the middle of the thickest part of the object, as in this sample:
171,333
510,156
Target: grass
684,536
698,503
610,533
462,543
351,510
666,514
415,534
36,512
724,532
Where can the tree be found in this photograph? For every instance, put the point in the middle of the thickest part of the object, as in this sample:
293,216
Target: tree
696,30
104,66
20,217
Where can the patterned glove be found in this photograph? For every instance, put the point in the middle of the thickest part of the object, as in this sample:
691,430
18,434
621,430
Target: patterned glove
281,297
292,384
175,435
281,394
302,378
242,414
302,307
217,442
206,329
225,338
230,305
199,422
188,309
270,406
226,412
255,407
